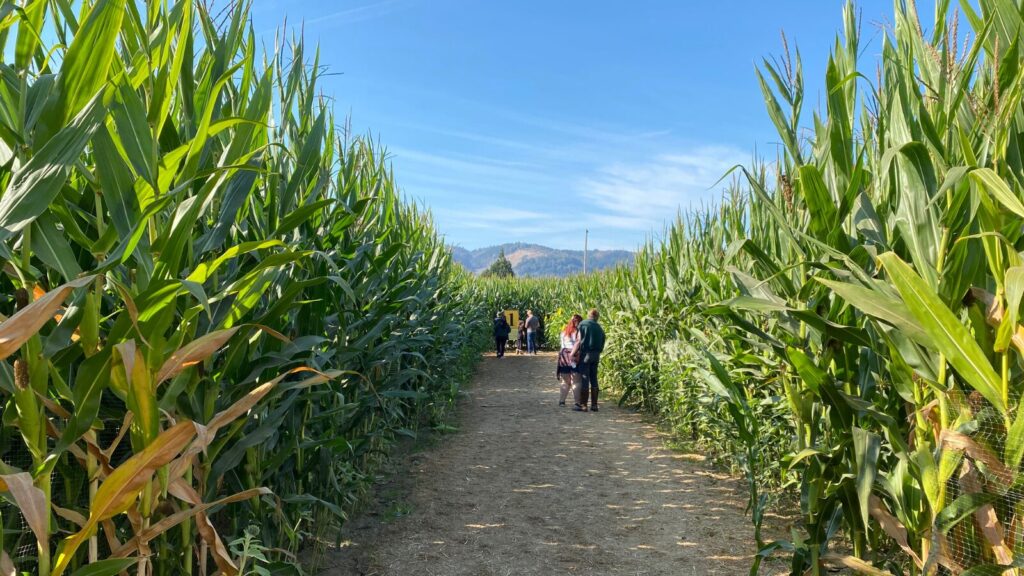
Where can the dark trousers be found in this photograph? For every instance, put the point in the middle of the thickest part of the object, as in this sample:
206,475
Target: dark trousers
499,343
588,382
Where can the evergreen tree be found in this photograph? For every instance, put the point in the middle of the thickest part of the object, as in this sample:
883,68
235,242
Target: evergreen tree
501,267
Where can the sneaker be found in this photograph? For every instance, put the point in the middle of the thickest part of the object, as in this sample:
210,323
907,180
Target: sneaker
593,408
578,408
561,403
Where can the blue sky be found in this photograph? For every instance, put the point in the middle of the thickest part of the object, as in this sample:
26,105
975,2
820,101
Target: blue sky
533,120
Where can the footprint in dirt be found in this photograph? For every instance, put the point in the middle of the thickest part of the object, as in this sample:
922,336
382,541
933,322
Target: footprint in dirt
581,499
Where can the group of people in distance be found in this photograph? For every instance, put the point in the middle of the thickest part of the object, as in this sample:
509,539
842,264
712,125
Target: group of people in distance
526,336
582,342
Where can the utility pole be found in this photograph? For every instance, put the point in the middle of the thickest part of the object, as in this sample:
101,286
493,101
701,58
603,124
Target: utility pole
586,237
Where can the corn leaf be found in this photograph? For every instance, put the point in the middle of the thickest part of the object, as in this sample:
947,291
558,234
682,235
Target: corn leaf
948,335
122,486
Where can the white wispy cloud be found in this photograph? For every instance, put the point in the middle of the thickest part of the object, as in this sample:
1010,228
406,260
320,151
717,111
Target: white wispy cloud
360,13
643,195
492,213
456,160
494,198
470,173
621,222
502,220
350,15
469,136
550,139
589,131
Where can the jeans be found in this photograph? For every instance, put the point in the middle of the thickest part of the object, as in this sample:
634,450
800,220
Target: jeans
499,343
588,381
531,342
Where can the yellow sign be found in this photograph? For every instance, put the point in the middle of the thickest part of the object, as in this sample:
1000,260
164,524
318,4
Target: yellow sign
512,317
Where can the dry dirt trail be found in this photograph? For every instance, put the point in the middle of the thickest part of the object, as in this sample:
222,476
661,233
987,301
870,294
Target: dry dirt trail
527,487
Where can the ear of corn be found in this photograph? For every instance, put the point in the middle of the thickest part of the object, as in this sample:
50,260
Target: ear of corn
220,311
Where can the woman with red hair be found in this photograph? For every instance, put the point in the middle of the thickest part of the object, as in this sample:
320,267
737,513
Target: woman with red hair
566,363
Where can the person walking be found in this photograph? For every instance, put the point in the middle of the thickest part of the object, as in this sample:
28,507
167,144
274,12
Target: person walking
501,332
532,327
566,364
588,350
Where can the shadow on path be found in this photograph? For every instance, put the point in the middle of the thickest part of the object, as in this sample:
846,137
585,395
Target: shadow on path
527,487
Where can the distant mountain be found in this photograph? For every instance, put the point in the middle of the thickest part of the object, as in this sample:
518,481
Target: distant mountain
537,260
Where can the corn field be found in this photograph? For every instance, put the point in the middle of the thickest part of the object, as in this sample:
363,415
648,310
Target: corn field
218,312
553,300
844,326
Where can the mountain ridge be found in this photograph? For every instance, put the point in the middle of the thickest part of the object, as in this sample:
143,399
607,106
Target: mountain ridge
532,260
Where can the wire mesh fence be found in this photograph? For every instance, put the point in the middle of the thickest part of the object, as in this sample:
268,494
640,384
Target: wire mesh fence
981,531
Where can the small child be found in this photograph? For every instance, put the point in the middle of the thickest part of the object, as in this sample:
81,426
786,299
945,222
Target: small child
521,339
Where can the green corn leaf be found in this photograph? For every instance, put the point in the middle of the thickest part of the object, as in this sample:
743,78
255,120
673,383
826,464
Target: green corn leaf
52,247
821,205
848,334
30,29
90,381
962,507
778,117
866,448
1014,285
86,66
1014,449
300,215
878,305
116,184
133,132
988,180
948,335
820,384
916,216
37,183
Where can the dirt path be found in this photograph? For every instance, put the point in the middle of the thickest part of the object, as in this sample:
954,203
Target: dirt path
526,487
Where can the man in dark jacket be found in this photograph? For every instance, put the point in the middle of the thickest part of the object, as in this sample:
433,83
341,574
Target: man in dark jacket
501,332
588,351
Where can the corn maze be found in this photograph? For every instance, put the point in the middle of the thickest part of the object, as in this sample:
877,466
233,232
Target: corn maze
218,313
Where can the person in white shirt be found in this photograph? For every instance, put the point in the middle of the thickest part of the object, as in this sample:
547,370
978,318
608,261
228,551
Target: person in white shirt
566,363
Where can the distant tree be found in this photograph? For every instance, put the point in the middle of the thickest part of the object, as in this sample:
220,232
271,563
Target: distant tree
501,267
